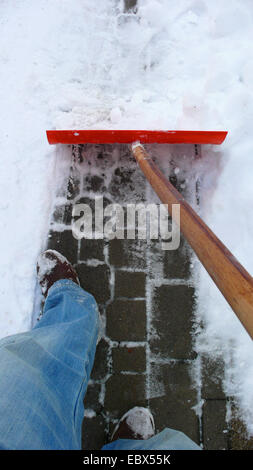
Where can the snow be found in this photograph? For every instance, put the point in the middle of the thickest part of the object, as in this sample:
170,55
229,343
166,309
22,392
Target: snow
183,64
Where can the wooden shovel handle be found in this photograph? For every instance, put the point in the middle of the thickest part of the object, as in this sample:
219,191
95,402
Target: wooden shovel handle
234,282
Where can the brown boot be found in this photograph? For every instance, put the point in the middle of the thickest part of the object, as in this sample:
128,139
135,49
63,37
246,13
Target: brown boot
53,266
137,423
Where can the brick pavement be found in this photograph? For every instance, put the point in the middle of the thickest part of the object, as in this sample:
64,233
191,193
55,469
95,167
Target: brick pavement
146,299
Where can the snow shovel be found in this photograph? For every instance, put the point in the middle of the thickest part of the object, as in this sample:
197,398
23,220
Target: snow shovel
234,282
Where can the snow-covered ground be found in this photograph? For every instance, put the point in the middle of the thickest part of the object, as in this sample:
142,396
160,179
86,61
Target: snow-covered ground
182,64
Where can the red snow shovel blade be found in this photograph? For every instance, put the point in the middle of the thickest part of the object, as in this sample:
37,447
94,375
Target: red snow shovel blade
130,136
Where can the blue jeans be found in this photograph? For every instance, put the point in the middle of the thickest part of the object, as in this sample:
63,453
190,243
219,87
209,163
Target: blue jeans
44,375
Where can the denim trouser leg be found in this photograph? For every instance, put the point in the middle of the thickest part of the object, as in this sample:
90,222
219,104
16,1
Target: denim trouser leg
168,439
44,373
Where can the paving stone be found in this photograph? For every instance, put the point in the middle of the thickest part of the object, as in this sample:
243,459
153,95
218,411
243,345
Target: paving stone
100,367
176,416
130,284
94,183
212,375
172,321
125,154
98,157
86,208
127,253
93,433
65,243
91,249
89,201
91,399
63,214
130,4
127,185
238,436
96,280
214,425
177,262
124,391
177,381
129,359
173,408
126,320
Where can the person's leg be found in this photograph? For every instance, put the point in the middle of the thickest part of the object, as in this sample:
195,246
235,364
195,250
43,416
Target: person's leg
168,439
136,431
44,373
